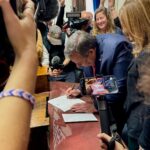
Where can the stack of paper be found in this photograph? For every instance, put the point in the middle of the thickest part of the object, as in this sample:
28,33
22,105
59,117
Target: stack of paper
79,117
64,103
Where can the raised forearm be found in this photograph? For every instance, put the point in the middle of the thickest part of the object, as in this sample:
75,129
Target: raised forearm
24,71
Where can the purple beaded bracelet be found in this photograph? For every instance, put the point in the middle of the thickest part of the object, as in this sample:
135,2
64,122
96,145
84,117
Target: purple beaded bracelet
19,93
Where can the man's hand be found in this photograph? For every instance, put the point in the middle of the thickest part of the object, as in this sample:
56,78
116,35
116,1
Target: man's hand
55,72
84,107
71,92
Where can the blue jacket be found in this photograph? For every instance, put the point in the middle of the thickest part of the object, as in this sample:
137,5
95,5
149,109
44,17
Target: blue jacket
113,56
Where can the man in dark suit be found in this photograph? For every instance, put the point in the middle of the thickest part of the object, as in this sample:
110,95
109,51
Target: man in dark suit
106,54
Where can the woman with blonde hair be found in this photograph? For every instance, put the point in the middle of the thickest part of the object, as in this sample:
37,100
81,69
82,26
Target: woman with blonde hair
103,22
136,24
135,20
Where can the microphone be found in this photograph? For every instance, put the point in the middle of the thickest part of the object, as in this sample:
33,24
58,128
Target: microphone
46,9
55,60
56,63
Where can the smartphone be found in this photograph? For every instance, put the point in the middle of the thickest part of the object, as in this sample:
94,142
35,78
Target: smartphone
100,85
6,49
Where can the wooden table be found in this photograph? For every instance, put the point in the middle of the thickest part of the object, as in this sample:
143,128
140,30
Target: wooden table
38,117
39,124
70,136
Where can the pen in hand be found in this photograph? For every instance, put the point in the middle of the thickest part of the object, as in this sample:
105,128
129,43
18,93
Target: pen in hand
73,86
73,91
69,90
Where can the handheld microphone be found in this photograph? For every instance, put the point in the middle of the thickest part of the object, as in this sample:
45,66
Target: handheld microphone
56,63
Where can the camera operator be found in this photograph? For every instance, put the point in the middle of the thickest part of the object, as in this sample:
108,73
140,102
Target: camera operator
108,54
78,21
61,69
89,16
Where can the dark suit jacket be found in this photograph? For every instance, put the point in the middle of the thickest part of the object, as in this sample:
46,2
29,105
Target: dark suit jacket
113,56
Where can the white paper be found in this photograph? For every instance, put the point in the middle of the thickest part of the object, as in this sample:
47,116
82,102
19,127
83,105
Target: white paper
79,117
64,103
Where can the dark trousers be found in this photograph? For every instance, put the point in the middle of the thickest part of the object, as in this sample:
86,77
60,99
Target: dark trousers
65,77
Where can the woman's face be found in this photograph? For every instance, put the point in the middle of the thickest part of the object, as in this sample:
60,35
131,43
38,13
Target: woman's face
101,21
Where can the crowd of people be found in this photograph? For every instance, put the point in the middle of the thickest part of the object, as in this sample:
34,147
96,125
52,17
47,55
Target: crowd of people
108,44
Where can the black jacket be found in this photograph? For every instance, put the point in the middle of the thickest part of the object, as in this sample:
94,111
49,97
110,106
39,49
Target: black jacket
134,104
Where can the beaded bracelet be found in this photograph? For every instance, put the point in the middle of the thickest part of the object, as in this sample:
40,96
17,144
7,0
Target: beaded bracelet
19,93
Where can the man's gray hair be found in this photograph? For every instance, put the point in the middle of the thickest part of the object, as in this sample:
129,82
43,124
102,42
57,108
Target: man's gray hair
80,42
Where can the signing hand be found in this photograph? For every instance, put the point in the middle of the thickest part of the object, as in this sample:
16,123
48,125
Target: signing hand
72,92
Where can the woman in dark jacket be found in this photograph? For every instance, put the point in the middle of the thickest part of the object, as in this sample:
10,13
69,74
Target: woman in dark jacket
135,20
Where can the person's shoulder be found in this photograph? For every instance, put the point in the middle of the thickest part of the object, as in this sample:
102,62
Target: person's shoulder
111,36
111,39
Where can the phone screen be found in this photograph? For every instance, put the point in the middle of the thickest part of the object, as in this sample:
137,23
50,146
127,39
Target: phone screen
102,85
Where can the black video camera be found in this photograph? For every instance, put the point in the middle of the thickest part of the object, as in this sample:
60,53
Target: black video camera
75,22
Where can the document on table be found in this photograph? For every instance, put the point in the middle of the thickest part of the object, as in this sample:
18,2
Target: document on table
79,117
64,103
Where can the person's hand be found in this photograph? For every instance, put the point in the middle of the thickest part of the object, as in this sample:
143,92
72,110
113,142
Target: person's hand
49,35
103,138
84,107
55,72
111,3
21,32
89,90
62,3
101,3
71,92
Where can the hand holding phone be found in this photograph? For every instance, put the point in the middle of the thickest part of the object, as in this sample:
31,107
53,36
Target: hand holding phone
101,86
